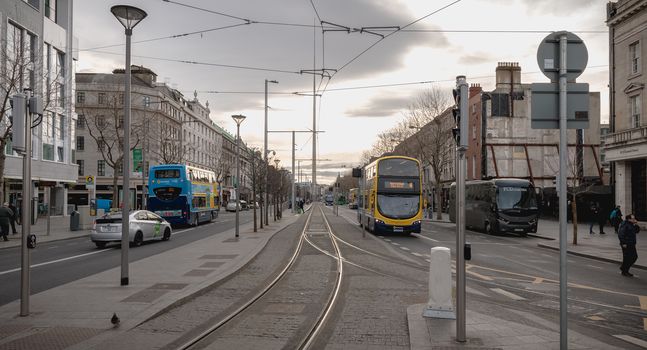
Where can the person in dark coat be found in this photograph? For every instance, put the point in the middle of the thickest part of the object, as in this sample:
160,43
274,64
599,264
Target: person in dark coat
5,217
14,218
627,236
594,212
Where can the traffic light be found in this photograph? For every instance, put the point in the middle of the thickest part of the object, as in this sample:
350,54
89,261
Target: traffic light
460,113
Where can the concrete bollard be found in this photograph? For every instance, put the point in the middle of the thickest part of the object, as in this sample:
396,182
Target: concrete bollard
440,285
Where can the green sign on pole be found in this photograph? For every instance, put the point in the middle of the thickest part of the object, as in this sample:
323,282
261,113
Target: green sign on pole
137,160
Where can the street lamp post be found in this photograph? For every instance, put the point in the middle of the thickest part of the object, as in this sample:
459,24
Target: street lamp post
129,17
276,165
265,152
238,118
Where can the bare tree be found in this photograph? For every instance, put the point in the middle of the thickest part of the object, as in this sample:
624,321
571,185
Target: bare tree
166,140
19,63
105,126
431,141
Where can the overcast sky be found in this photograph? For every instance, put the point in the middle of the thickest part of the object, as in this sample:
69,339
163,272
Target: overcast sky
236,45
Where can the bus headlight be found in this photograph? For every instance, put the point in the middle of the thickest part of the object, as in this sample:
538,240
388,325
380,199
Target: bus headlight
377,221
533,221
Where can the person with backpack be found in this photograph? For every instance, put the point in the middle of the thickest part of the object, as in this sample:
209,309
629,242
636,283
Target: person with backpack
615,218
627,236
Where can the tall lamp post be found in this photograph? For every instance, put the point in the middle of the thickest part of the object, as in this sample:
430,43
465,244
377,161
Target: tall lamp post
276,204
238,118
129,17
265,151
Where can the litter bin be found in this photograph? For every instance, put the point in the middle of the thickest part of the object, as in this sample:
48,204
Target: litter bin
74,220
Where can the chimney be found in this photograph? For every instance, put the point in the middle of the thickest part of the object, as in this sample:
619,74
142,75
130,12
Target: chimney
475,89
508,76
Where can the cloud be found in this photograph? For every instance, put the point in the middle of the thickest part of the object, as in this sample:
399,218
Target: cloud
476,58
382,106
560,8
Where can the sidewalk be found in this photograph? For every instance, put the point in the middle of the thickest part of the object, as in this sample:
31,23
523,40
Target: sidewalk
59,229
78,313
594,246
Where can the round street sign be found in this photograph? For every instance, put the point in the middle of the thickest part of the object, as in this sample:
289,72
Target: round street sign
89,180
548,56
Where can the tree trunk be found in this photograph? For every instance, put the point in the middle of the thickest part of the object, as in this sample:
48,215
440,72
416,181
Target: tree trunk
574,214
3,157
115,190
439,207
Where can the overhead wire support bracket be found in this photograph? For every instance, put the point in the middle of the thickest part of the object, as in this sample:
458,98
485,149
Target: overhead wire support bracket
339,27
324,72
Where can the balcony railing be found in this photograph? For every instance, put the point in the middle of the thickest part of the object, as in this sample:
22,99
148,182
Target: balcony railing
626,136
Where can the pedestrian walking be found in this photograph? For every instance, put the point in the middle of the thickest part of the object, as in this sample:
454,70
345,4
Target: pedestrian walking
5,217
627,236
14,218
594,212
615,218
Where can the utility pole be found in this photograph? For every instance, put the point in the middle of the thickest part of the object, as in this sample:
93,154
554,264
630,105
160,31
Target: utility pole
265,151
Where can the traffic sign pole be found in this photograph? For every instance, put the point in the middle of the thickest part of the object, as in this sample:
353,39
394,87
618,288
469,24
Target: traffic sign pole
563,154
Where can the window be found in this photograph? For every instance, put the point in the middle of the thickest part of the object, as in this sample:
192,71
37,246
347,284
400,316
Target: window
634,105
121,99
50,9
48,152
80,122
60,154
120,122
101,121
80,97
101,144
634,57
60,132
80,143
147,101
101,98
101,167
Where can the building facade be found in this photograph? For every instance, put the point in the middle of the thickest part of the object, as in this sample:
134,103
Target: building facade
37,42
626,144
166,128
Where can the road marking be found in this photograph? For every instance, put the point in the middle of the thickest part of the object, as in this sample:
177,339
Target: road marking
424,237
395,243
632,340
507,294
538,280
386,239
483,277
643,306
474,291
416,254
595,318
404,248
57,261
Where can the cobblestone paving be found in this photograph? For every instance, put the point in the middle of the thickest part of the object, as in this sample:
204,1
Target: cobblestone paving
168,330
373,313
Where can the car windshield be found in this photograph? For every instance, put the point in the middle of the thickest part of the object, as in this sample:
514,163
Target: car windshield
398,206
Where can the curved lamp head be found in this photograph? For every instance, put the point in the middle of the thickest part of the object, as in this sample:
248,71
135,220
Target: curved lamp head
128,16
238,118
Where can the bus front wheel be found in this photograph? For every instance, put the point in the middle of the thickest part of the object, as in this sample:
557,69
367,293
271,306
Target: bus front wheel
489,229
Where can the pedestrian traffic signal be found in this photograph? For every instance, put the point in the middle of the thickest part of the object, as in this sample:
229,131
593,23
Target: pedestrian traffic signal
459,132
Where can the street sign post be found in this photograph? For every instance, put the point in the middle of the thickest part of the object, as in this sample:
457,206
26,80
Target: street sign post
90,184
562,57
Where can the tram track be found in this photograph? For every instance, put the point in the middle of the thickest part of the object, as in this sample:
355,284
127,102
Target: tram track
313,330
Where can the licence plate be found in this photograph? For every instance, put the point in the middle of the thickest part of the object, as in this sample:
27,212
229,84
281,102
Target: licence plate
109,229
167,213
518,230
397,229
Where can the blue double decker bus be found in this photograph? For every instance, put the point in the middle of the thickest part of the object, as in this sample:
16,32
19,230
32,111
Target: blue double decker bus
182,194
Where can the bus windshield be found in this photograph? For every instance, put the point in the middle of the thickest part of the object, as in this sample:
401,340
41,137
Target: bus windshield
167,174
398,167
516,198
398,206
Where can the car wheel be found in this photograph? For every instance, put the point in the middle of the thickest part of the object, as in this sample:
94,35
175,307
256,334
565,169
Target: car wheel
488,229
167,234
101,245
139,239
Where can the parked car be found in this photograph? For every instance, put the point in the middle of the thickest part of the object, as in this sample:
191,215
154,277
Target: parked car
144,226
231,206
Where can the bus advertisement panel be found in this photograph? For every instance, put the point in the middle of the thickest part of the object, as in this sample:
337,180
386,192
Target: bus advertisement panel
182,194
352,198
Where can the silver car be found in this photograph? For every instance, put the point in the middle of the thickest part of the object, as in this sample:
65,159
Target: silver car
144,226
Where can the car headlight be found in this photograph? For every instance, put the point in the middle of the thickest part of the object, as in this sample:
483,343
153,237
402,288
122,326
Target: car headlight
504,221
532,221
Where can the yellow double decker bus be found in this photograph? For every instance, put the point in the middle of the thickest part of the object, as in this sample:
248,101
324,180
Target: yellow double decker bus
391,198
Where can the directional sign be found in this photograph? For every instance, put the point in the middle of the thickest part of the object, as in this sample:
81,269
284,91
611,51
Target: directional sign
89,180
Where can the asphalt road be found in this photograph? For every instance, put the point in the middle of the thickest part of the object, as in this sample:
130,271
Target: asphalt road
60,262
513,272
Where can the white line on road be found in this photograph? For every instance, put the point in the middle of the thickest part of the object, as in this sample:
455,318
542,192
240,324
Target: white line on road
632,340
507,294
421,236
57,261
386,239
395,243
404,248
416,254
